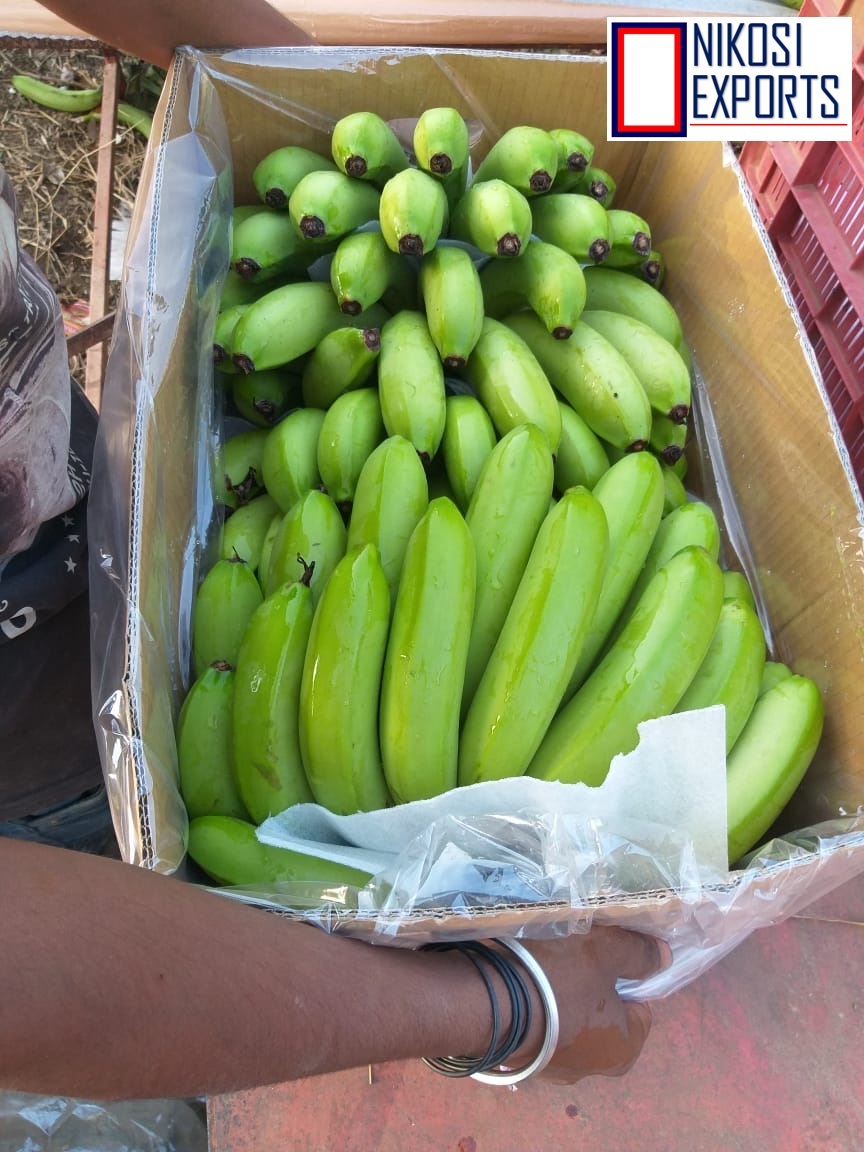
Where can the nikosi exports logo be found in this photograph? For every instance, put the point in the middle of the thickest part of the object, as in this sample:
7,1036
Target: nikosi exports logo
783,78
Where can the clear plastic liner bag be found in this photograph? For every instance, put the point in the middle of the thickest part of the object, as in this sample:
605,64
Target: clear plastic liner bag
63,1124
768,458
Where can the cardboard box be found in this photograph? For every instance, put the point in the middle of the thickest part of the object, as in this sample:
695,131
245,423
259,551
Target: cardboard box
771,460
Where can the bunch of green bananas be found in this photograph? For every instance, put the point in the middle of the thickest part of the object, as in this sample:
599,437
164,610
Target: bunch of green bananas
458,545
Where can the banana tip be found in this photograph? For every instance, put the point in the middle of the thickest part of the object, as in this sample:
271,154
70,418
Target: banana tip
312,227
562,332
275,198
247,267
599,250
637,446
540,181
356,166
642,243
577,162
372,338
671,454
599,189
350,307
454,361
679,414
243,363
510,244
411,244
441,164
219,354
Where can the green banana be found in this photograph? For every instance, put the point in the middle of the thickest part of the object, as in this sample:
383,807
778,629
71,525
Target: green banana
575,153
135,118
204,750
238,467
341,362
58,99
657,365
773,672
263,569
575,223
340,687
223,336
244,531
508,505
629,237
441,147
223,606
631,496
353,427
230,853
525,158
284,324
539,644
424,666
277,175
411,383
599,184
413,212
731,672
390,498
289,463
581,458
643,675
675,494
736,586
511,384
680,468
263,398
469,438
364,271
453,302
328,205
668,439
652,270
612,291
593,377
546,278
267,763
312,535
266,245
770,758
365,147
494,217
236,290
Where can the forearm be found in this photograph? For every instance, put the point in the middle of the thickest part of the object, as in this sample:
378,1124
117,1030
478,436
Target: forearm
118,983
152,29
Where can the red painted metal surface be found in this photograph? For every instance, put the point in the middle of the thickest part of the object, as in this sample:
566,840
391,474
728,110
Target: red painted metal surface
763,1054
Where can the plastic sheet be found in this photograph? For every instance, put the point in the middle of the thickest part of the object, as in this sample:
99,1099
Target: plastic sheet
768,458
63,1124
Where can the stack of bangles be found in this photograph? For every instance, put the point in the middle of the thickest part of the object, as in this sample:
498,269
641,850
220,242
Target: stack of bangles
483,1067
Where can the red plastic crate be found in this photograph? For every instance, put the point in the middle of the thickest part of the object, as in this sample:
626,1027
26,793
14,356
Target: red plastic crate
810,195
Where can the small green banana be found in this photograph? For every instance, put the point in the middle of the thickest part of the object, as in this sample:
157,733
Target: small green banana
668,439
657,365
239,214
352,429
284,324
341,684
266,245
508,505
263,398
581,458
391,496
223,337
526,158
424,667
230,853
629,236
575,153
539,644
494,217
204,746
453,302
546,278
510,383
643,675
577,224
223,606
365,147
238,468
364,271
328,205
411,383
413,212
312,535
630,493
675,494
731,672
599,184
469,438
277,175
245,530
773,672
593,377
289,462
736,586
612,291
342,361
267,762
770,758
441,147
263,568
58,99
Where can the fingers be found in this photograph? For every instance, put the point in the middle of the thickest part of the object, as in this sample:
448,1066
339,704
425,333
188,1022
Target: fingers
633,955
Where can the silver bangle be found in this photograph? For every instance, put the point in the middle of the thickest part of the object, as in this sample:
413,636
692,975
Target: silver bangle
550,1006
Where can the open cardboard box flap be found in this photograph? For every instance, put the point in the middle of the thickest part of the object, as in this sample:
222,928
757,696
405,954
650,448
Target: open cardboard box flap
769,456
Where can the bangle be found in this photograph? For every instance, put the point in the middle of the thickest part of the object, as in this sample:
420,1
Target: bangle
481,1068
